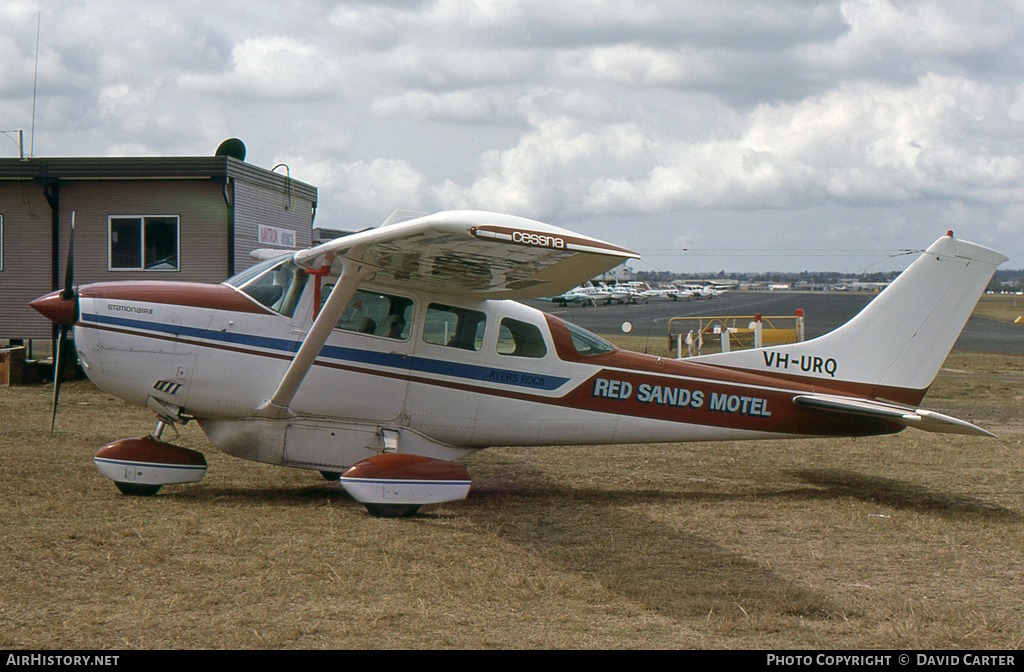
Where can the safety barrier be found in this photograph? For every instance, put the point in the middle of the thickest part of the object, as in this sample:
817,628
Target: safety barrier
702,333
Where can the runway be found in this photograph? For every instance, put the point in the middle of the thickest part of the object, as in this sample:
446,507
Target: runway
823,312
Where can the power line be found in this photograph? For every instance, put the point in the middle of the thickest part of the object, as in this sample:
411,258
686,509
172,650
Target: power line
761,252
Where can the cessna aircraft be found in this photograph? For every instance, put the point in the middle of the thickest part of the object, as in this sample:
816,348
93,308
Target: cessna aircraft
704,291
389,354
581,295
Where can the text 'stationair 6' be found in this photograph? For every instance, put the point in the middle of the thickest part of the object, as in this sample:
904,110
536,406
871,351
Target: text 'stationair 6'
385,356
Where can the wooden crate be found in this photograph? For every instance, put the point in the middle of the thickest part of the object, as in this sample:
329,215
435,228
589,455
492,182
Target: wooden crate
12,365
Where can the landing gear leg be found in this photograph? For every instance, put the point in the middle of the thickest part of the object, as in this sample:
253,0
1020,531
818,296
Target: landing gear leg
140,467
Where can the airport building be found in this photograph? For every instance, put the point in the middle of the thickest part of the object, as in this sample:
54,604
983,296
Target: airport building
140,218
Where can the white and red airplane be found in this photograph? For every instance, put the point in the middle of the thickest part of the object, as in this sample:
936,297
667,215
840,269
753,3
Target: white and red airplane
389,354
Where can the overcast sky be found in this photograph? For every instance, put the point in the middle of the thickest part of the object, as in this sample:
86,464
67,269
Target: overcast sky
756,134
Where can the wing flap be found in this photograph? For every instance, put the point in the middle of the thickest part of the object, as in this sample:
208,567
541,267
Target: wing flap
919,418
480,254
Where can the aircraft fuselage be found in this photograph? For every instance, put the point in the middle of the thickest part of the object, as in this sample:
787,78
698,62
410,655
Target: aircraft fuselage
454,379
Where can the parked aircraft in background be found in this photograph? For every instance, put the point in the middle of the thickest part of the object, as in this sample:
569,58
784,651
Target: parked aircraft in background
704,291
572,297
387,355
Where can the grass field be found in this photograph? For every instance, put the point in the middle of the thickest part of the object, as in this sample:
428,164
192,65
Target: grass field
914,540
1002,307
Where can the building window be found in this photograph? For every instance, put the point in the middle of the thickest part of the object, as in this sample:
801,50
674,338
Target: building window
1,242
144,243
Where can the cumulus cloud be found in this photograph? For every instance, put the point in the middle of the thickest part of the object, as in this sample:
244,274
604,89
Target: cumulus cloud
272,67
590,112
380,185
464,105
861,144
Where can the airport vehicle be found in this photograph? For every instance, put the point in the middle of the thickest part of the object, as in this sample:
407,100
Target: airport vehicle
385,356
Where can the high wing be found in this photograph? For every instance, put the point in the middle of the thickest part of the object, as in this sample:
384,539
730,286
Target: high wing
471,253
465,253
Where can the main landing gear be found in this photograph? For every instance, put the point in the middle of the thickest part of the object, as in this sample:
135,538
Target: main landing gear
389,485
140,467
396,485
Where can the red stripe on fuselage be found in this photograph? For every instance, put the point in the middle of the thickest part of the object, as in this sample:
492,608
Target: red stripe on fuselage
752,401
191,294
635,361
714,403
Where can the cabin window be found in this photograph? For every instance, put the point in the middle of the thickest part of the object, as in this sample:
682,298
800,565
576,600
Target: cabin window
587,343
374,313
143,243
520,339
276,284
454,327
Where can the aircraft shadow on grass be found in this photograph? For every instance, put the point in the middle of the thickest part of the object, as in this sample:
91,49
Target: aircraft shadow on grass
837,483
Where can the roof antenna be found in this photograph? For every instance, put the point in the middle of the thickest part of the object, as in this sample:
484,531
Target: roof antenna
35,79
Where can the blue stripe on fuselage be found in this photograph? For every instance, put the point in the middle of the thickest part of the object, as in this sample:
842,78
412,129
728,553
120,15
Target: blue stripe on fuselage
421,365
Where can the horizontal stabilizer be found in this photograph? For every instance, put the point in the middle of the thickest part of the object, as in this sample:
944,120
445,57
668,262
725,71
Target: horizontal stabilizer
928,421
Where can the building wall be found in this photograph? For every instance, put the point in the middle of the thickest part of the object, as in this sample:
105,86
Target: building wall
256,205
202,238
202,227
204,234
26,259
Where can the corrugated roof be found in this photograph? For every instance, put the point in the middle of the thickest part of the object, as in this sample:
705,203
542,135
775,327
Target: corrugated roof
150,168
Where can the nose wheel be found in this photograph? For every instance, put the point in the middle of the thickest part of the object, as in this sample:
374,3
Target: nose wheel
137,489
140,467
392,510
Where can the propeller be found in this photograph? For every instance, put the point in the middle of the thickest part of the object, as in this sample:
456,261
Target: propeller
67,294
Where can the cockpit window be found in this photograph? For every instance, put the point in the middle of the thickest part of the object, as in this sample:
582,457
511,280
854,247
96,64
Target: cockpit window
587,343
275,283
248,274
454,327
374,313
520,339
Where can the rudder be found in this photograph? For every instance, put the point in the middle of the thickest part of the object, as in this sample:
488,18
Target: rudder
897,343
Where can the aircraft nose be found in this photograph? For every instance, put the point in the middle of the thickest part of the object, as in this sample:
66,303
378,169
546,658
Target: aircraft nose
56,309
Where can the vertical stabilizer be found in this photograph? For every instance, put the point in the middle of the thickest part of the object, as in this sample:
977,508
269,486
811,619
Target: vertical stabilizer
901,338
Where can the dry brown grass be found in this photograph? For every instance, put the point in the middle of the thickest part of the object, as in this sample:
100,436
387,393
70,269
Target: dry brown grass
914,540
1002,307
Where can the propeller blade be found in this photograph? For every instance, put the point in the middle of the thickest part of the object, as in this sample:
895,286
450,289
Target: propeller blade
68,293
56,375
69,269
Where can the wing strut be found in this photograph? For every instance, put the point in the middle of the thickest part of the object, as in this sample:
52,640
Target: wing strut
352,274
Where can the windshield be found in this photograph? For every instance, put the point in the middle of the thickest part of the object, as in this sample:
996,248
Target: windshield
587,343
275,283
239,279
